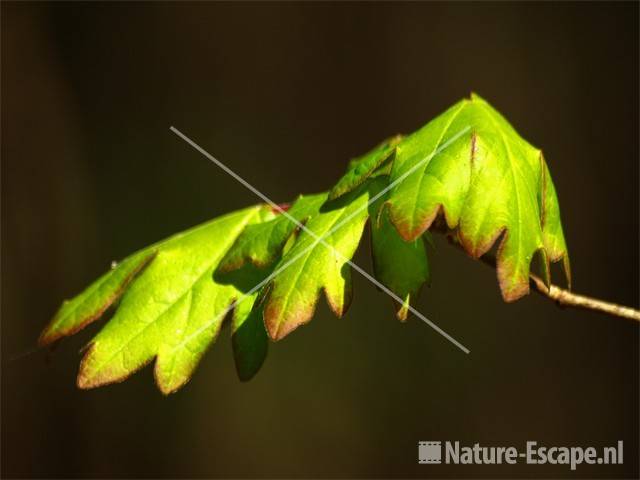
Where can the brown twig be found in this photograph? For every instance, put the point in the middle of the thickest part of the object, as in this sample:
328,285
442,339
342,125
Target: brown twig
566,298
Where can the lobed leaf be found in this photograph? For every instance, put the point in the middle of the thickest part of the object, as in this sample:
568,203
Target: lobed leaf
172,311
260,243
487,184
293,294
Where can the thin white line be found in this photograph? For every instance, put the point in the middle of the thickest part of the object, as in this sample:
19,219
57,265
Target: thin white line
320,239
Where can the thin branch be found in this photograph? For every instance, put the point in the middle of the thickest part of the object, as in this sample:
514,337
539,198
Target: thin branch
566,298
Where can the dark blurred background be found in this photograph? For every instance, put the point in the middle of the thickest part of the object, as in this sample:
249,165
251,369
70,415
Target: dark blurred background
285,94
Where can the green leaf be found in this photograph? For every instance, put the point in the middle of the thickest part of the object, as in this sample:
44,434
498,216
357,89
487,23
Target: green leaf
172,311
400,265
260,243
293,294
250,340
363,167
487,184
77,313
249,337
